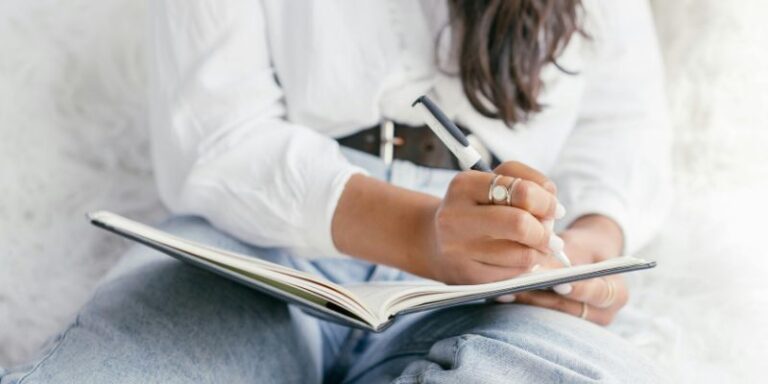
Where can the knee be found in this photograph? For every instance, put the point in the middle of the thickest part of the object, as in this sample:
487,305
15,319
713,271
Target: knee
168,322
169,297
514,341
469,357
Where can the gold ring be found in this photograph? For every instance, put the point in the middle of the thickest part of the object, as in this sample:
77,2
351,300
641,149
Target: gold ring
510,188
497,193
584,311
611,297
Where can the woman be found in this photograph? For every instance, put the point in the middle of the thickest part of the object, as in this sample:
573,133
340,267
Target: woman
250,102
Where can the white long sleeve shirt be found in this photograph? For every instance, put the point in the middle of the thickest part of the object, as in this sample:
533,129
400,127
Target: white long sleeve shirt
248,95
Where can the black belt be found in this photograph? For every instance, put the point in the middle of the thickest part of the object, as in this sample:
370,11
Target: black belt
419,145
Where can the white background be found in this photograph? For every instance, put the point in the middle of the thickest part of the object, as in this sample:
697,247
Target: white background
72,138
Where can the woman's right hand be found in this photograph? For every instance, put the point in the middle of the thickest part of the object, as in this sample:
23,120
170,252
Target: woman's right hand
478,242
460,239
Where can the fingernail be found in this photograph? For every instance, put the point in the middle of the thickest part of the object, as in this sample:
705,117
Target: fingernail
556,244
535,267
563,289
550,187
506,298
549,224
559,211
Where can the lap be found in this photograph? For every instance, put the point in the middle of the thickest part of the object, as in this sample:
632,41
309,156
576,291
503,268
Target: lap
499,343
159,320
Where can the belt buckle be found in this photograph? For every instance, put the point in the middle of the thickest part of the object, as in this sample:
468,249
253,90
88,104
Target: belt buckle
388,141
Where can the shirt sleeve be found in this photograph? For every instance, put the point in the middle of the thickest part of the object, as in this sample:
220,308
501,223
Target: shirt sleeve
616,162
222,147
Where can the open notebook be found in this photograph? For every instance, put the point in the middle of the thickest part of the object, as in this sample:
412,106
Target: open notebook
371,306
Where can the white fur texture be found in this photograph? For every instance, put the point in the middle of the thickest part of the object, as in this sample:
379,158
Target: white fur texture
72,138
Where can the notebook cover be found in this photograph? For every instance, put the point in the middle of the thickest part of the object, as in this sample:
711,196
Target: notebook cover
312,308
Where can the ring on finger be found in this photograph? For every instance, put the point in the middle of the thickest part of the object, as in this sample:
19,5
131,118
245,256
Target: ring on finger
510,188
584,311
497,194
611,296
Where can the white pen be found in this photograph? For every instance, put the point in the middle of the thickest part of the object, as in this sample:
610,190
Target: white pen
458,144
450,135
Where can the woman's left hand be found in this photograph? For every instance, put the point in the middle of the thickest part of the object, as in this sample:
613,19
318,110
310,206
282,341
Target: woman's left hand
590,239
596,300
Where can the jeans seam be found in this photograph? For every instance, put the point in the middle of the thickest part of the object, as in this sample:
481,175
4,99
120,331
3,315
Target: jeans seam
53,350
456,348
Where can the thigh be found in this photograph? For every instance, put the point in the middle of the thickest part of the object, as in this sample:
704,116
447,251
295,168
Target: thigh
159,320
499,344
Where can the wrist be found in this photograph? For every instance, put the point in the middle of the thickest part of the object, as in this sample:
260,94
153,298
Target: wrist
385,224
422,245
604,235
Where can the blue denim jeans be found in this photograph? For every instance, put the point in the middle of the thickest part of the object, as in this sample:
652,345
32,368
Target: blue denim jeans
154,319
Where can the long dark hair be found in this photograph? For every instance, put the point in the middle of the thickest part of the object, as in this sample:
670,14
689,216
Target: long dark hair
502,47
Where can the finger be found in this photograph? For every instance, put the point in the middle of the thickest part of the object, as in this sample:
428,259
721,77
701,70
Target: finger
527,195
563,304
523,194
510,223
481,273
475,187
550,262
518,169
470,187
509,298
507,254
603,292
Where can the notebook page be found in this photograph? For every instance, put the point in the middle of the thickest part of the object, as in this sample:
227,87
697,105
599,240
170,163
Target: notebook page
457,291
379,296
252,267
391,298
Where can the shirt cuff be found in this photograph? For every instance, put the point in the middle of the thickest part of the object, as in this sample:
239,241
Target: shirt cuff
320,206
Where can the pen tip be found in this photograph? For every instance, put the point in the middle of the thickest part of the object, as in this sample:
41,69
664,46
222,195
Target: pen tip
418,100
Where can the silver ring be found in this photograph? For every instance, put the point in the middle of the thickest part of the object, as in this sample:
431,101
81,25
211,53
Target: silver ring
611,297
497,193
510,187
584,311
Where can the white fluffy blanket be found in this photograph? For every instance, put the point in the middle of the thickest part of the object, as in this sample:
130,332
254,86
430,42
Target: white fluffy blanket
72,138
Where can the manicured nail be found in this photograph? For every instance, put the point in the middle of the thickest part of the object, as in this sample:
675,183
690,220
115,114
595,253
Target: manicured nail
506,298
548,224
559,211
563,289
556,244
